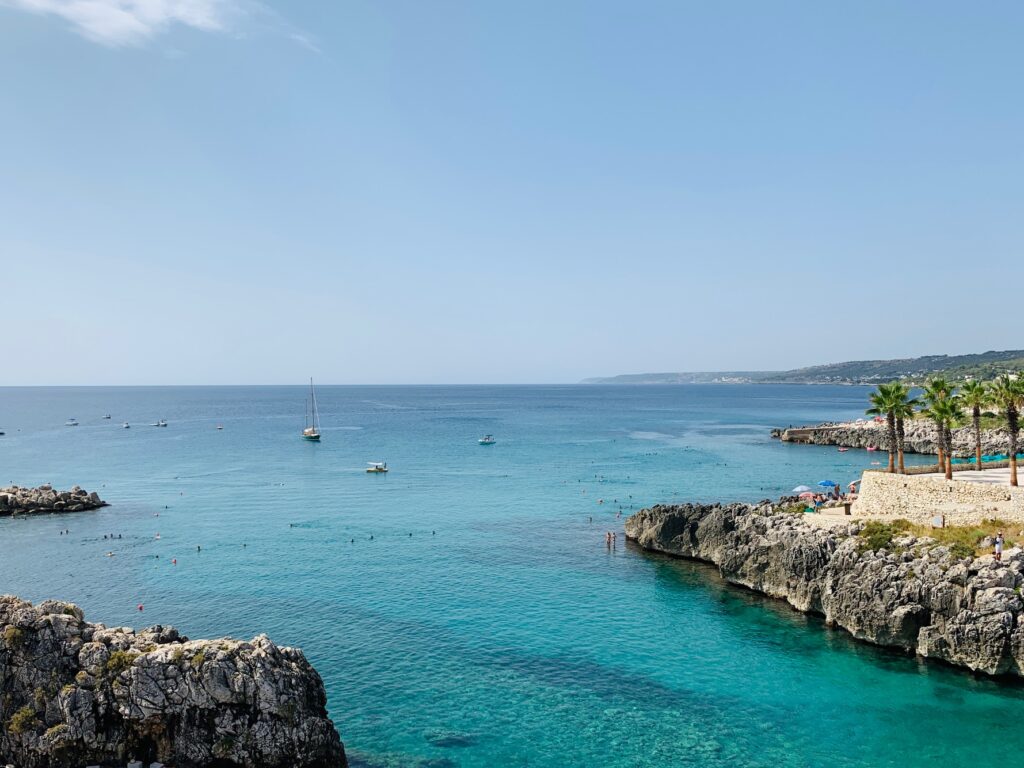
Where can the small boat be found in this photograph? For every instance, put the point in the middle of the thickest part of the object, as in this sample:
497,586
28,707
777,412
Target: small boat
220,426
160,423
377,467
71,423
872,448
126,425
487,440
312,430
843,450
107,416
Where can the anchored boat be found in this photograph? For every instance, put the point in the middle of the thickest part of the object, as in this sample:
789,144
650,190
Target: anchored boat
377,467
312,430
487,440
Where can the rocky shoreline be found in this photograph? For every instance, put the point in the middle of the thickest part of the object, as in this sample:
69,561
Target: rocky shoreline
15,500
74,693
915,594
920,437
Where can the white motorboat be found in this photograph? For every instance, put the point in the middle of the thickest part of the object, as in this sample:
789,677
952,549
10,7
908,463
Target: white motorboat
487,440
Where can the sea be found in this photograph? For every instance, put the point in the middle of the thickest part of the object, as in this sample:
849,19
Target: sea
463,609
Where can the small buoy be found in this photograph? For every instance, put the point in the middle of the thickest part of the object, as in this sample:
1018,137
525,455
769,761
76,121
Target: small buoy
140,606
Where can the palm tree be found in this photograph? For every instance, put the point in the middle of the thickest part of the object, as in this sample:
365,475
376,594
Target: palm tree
885,402
904,409
1008,395
975,395
946,413
935,391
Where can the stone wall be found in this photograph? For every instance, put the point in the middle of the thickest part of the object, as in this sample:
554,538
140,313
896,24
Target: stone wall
919,499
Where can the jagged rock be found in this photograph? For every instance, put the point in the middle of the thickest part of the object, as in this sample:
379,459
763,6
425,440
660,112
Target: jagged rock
34,501
920,437
918,597
74,693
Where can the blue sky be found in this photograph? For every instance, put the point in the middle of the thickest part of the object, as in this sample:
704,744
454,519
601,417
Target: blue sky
221,191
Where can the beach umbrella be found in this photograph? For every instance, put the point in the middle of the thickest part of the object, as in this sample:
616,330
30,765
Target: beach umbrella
800,489
828,483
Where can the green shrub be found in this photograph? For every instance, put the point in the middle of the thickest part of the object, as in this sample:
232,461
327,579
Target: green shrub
959,549
56,731
118,662
198,659
23,721
877,535
14,637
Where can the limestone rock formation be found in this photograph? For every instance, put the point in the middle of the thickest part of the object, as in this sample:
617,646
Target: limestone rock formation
74,694
15,500
920,437
916,595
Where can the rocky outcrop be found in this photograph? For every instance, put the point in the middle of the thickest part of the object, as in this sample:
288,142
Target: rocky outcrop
920,437
74,693
914,595
15,500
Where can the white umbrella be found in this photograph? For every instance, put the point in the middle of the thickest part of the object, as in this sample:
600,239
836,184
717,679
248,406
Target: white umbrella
800,489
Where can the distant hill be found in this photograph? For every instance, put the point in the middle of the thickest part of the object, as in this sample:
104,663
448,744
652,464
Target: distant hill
694,377
985,365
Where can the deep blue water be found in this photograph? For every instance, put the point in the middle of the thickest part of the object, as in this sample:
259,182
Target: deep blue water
502,622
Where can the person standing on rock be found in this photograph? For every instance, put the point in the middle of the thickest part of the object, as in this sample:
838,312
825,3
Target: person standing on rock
999,547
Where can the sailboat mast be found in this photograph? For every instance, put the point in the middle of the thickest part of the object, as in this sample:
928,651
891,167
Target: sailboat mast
312,397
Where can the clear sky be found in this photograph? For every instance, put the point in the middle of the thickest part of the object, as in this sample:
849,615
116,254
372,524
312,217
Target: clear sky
369,191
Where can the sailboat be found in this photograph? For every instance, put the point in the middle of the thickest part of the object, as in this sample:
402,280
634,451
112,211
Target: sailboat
312,430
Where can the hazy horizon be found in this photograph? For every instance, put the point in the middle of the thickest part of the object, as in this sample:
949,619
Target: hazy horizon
231,192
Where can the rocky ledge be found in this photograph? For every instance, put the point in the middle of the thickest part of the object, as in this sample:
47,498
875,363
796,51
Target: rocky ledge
15,500
74,694
920,437
915,595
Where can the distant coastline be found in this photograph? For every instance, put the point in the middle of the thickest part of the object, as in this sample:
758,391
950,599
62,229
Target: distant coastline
984,365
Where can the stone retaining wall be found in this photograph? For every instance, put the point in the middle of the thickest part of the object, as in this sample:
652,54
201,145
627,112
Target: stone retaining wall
919,499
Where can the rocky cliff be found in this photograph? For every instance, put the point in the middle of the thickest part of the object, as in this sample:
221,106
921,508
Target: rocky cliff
914,595
74,694
920,437
15,500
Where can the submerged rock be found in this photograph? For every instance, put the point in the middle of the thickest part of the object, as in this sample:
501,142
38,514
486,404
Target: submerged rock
916,596
74,693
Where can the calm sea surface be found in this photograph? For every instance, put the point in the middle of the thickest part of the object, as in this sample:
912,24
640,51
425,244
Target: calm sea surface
484,623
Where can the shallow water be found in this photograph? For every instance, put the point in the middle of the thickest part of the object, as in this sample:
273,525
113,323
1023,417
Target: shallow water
502,631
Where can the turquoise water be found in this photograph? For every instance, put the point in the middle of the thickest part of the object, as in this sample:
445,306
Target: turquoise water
502,631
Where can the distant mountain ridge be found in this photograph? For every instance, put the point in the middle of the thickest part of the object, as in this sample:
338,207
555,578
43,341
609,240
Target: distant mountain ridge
985,365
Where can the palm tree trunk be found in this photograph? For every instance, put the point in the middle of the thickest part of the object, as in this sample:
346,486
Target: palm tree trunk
947,438
977,437
891,423
900,433
1013,458
1013,422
